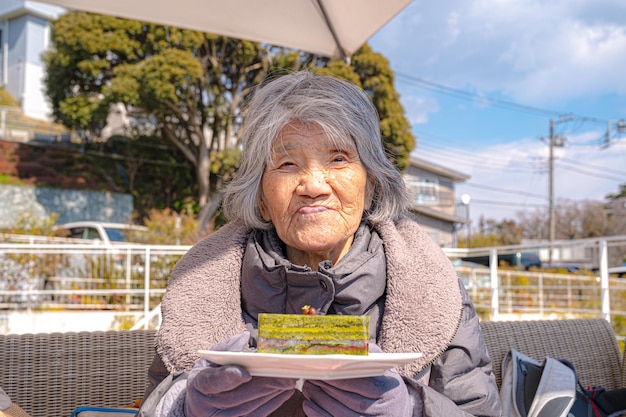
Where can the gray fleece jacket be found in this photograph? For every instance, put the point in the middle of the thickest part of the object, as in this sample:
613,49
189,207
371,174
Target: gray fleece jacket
426,310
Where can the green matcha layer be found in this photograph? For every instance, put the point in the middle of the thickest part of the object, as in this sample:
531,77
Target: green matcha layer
313,335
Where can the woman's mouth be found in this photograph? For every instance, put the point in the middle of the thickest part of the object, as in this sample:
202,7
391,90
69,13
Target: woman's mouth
311,209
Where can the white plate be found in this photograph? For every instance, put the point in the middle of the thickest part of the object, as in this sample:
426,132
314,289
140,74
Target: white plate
311,366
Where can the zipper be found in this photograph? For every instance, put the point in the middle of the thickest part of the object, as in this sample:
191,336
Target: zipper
522,366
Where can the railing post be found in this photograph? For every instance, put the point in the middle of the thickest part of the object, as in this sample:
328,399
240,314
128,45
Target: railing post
493,267
604,281
540,295
128,277
146,286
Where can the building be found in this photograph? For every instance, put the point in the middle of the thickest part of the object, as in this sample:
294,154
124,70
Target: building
24,36
434,205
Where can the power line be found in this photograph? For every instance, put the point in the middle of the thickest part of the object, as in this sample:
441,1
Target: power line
507,203
603,169
466,95
464,155
458,160
469,163
504,104
460,157
592,174
503,190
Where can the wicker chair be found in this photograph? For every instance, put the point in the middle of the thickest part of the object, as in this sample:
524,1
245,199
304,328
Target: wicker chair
590,344
49,375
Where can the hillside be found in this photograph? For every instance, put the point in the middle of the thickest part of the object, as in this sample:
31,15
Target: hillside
156,175
54,166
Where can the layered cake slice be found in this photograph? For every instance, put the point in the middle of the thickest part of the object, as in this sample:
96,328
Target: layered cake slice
307,334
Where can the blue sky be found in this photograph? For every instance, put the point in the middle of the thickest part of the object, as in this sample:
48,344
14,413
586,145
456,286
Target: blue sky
480,81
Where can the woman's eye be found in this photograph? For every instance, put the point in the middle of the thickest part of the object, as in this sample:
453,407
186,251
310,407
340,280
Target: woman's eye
286,164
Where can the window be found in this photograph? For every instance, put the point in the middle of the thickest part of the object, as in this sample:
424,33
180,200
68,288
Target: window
423,190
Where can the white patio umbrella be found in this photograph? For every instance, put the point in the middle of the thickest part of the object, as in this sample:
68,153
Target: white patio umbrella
335,28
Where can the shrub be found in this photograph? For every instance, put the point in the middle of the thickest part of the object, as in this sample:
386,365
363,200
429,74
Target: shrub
167,227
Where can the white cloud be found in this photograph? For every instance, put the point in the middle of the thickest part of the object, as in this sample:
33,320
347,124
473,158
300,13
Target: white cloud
417,108
533,51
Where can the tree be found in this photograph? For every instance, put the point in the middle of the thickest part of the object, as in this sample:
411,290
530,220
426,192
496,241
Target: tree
190,86
573,220
620,193
534,224
494,233
371,71
616,209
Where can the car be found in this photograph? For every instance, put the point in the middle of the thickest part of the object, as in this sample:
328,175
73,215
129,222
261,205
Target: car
620,271
521,260
103,232
106,235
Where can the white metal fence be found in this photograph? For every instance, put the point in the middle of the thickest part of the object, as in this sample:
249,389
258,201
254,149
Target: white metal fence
131,279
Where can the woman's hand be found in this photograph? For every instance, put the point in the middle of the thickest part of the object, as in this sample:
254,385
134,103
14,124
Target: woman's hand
384,395
230,390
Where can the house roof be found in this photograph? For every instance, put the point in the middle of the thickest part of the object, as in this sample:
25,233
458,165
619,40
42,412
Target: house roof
429,166
10,9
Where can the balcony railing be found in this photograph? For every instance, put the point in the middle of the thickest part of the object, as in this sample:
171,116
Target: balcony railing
130,280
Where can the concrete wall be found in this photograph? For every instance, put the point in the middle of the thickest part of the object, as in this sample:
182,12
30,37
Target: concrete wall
441,231
71,205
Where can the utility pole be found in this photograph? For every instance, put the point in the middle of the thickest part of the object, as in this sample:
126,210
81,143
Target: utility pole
553,140
551,207
620,130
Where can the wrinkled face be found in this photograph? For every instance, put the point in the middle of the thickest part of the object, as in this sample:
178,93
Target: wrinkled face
314,191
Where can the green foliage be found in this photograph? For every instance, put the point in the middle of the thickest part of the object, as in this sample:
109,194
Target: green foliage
168,227
493,233
224,164
150,169
6,99
619,326
155,84
620,193
10,180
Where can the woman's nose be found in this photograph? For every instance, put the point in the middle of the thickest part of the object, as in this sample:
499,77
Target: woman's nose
314,182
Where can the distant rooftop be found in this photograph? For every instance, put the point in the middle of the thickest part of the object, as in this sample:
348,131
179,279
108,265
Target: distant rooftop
14,8
437,169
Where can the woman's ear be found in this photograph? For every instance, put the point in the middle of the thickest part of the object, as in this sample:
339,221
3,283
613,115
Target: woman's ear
369,194
263,209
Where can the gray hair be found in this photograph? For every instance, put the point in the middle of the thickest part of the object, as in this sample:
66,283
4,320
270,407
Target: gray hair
342,110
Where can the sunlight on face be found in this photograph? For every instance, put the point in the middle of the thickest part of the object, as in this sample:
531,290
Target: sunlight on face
314,192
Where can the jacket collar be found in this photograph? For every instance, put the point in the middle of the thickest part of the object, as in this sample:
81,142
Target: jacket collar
202,305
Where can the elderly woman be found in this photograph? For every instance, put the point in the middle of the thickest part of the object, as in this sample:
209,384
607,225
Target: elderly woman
318,217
